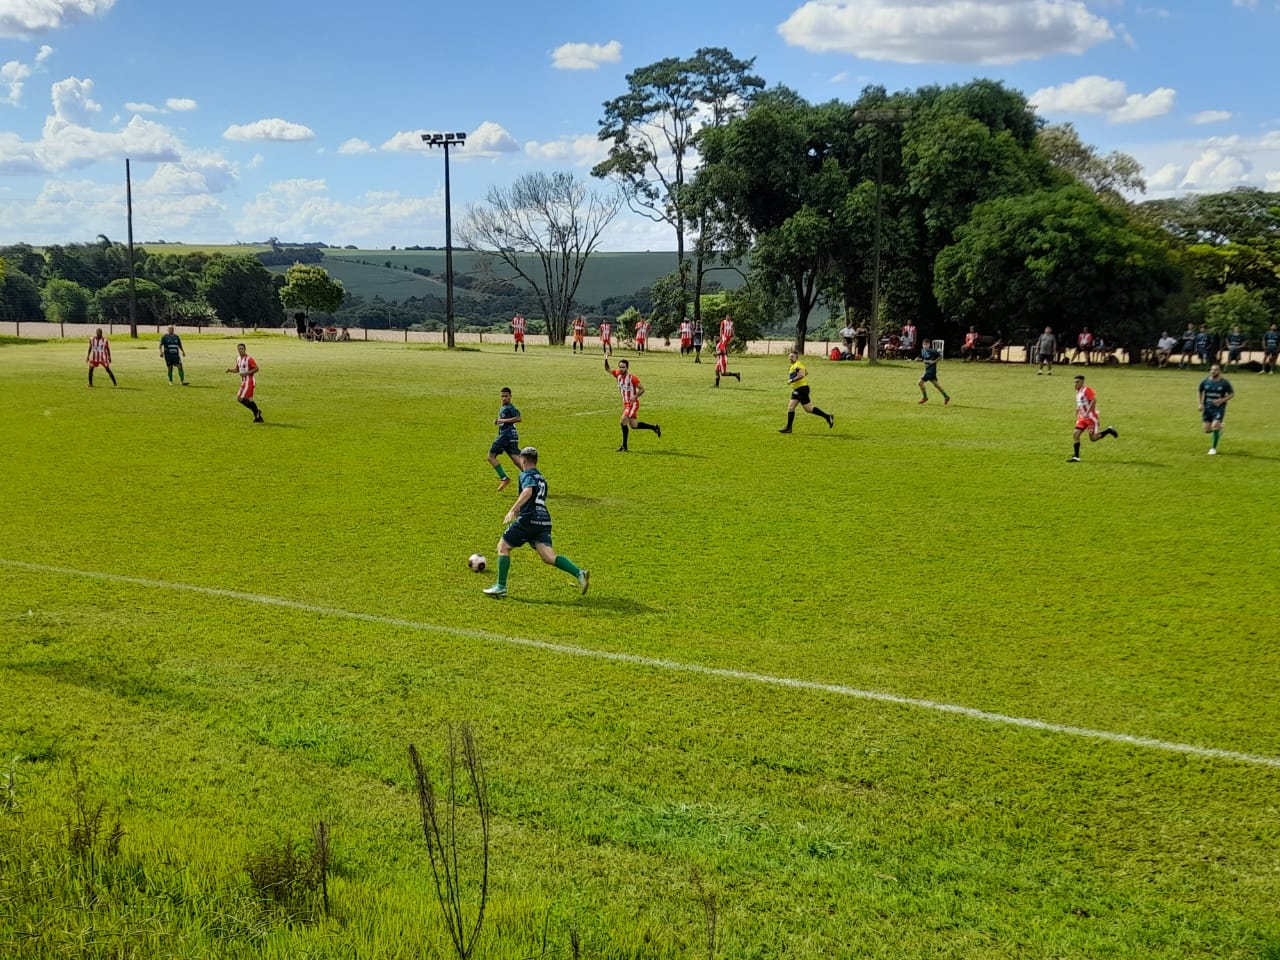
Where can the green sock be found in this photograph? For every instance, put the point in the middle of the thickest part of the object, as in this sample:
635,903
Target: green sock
502,474
1217,434
182,375
567,565
504,567
171,374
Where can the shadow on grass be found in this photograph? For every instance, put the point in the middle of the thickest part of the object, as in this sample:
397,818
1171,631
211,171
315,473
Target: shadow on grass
609,604
665,453
1251,456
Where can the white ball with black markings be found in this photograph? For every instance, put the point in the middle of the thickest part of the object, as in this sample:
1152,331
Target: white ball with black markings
477,563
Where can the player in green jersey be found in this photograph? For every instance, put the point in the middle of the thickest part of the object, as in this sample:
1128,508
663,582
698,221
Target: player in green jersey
1215,391
172,350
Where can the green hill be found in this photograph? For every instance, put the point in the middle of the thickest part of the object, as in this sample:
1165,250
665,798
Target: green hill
389,273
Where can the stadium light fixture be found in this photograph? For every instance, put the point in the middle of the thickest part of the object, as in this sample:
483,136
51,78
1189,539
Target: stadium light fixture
445,141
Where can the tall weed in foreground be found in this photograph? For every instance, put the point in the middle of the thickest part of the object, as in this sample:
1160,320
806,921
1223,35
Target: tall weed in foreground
290,876
446,846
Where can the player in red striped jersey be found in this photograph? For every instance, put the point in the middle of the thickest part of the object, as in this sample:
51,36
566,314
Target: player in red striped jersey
726,330
1087,419
99,355
606,338
517,333
247,367
686,336
722,363
579,333
631,390
642,335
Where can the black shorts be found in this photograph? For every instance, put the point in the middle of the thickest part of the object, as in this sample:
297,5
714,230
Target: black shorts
801,395
173,361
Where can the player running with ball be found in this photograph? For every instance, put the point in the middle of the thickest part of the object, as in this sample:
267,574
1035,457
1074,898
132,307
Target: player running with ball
529,521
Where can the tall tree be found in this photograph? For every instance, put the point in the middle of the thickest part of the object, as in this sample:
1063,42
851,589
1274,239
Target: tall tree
66,301
654,128
311,288
241,291
1112,178
543,228
1026,261
770,189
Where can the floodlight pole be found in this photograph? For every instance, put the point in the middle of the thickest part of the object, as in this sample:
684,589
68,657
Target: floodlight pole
445,141
133,283
881,117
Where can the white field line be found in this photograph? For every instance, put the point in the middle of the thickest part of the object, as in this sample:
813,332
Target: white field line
655,663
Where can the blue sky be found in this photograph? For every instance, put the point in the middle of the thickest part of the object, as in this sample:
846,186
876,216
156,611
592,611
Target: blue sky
246,120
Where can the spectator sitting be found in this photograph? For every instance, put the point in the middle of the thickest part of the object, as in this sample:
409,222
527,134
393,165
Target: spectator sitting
893,347
331,334
1164,349
970,343
345,336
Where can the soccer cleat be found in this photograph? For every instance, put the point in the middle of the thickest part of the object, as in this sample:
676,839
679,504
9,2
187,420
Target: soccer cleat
831,420
1073,459
658,430
1114,432
584,580
738,377
622,449
946,401
258,419
497,590
924,400
504,483
785,430
1213,451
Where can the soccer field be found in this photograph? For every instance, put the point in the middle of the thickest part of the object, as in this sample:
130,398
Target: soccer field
910,686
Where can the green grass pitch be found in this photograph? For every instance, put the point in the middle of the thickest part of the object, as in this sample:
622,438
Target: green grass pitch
690,731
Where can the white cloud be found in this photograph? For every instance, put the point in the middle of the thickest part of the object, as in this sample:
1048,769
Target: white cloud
490,139
1211,116
303,209
12,75
256,161
1166,178
1216,169
141,107
840,77
487,140
354,146
180,104
73,101
25,18
1247,4
1098,95
1208,165
584,150
946,31
1144,106
585,56
272,129
44,53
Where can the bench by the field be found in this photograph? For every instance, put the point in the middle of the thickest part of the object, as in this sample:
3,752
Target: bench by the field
985,348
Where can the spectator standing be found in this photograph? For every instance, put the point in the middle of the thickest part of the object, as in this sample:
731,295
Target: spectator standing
1046,350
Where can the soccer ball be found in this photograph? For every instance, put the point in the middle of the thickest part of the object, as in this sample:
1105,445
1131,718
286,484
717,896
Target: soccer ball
477,562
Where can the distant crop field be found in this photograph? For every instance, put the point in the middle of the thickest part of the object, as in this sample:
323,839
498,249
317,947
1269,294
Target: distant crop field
606,274
910,686
230,249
